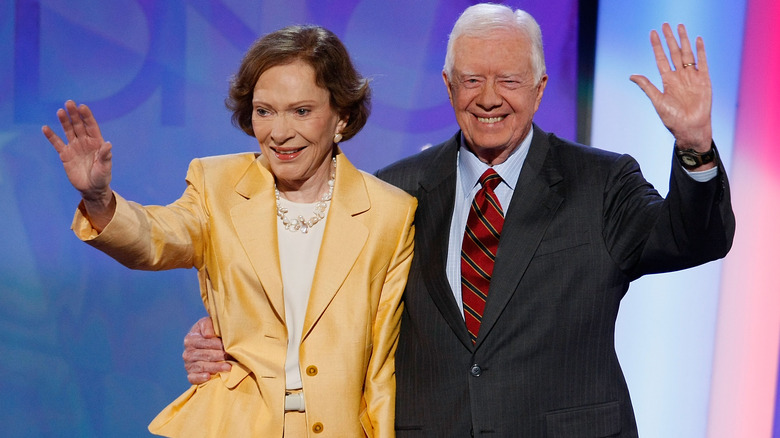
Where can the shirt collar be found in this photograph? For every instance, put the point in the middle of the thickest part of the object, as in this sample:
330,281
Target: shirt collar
471,168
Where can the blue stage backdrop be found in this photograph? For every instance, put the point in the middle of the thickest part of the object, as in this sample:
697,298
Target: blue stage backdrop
88,347
92,349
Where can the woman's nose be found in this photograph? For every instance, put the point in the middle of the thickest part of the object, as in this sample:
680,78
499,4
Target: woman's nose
281,129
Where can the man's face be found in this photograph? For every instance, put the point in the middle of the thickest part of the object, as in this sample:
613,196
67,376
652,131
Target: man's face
493,92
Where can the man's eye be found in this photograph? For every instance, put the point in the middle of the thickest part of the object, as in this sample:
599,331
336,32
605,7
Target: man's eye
471,82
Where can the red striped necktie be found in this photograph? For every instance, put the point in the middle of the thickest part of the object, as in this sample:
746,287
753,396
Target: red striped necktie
478,253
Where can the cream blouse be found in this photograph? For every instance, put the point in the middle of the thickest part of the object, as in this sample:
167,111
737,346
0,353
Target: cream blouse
298,253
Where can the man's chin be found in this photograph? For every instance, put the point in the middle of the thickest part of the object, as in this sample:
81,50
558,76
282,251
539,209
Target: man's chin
490,148
488,144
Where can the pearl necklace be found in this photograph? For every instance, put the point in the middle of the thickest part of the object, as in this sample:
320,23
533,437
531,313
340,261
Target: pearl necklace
299,223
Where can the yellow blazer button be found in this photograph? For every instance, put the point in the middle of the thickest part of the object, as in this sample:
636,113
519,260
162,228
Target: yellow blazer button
311,370
317,428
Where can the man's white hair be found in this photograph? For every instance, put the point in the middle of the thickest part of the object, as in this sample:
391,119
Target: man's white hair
482,19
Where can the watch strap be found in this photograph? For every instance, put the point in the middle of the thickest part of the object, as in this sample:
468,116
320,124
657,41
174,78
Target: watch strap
691,159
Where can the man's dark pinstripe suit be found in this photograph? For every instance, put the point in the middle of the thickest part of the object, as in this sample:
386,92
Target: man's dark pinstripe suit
582,224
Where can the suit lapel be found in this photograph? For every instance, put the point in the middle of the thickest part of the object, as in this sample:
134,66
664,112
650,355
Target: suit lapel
255,224
436,201
534,204
344,239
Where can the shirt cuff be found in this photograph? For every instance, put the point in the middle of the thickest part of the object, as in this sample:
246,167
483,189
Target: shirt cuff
703,175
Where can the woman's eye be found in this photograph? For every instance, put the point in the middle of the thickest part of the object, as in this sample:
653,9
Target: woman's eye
302,111
262,112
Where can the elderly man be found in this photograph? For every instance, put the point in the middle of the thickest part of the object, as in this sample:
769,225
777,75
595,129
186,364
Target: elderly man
526,244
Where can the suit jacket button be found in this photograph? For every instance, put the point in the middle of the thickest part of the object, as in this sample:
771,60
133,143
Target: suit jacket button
476,370
317,428
311,371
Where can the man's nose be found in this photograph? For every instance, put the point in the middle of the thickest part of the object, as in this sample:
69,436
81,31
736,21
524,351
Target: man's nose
488,97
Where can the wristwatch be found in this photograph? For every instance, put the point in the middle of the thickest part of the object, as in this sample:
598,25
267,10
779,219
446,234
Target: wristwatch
691,159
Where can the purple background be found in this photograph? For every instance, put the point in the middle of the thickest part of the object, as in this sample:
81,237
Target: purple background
90,348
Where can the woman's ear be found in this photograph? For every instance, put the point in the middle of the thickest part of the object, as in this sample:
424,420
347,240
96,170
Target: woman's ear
342,123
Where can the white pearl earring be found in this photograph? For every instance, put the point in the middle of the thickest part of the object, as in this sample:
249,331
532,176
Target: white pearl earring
337,138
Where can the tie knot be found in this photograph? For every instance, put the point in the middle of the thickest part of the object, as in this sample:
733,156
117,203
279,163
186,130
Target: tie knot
490,179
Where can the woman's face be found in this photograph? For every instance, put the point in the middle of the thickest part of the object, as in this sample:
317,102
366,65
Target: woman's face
295,124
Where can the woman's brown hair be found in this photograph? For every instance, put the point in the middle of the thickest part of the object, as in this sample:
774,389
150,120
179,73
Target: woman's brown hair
350,95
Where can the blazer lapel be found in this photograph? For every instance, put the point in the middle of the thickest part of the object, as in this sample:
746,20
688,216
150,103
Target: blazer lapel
534,204
343,241
436,201
255,224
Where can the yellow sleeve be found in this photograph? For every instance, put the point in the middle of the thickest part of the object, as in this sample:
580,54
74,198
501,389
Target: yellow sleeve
153,237
380,376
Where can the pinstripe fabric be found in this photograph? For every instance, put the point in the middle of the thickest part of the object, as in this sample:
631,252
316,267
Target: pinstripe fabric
478,253
582,223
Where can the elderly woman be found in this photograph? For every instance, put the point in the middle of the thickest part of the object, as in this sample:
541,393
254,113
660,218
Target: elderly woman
302,259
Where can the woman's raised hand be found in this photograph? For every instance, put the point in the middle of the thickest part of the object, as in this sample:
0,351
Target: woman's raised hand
86,159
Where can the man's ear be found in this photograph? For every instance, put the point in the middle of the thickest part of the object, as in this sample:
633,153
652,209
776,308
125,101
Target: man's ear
449,86
540,91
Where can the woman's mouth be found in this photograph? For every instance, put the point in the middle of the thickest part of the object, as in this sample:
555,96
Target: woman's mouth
287,154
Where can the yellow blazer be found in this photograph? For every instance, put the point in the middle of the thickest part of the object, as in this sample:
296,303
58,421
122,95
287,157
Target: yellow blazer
225,226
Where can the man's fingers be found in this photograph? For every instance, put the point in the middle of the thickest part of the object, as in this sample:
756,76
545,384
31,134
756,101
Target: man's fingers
658,52
685,46
674,48
191,355
701,55
198,378
207,367
206,327
201,372
204,354
650,90
196,341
